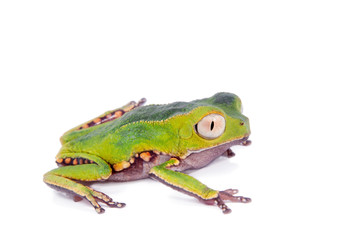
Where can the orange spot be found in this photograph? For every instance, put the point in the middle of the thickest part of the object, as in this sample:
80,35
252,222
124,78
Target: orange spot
146,156
118,114
75,162
59,160
67,160
128,108
121,165
81,161
97,120
85,126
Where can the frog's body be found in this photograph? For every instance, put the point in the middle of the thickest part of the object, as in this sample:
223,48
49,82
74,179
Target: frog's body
159,141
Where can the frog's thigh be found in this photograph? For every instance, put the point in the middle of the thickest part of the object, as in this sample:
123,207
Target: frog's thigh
182,182
62,179
109,115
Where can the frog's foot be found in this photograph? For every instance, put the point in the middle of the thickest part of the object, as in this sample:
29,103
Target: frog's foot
246,143
96,195
226,195
228,153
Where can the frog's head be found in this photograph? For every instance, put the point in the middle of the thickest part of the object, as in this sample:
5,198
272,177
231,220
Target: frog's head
214,121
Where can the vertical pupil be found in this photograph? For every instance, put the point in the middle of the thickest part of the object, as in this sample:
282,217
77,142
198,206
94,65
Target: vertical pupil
212,125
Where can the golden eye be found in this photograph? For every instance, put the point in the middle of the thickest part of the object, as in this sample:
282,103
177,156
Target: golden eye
211,126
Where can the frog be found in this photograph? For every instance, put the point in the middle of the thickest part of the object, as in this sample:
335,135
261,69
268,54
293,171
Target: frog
158,141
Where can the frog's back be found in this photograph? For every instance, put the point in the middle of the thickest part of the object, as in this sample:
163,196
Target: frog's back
145,113
117,138
165,111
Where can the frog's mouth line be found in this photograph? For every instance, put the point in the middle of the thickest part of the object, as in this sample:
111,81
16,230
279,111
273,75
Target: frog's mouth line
201,158
241,141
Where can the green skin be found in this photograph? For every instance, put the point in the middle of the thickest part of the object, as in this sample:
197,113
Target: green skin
111,149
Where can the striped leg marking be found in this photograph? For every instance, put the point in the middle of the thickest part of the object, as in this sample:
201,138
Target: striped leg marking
108,116
65,179
112,115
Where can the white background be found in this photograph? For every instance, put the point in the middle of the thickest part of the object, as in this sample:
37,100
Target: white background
295,65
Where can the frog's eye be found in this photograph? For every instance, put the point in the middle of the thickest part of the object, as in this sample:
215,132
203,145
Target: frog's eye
211,126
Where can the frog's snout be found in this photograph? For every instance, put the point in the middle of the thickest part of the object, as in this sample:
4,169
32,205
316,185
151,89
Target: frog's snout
244,123
246,128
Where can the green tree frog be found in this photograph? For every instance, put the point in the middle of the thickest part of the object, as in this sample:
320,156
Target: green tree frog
157,141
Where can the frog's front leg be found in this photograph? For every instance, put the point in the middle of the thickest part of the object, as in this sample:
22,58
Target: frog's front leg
91,168
189,185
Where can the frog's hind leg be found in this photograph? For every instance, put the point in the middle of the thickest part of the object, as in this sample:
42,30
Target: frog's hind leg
65,179
67,185
110,115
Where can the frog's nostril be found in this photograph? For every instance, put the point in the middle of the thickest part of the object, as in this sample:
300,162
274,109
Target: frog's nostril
242,123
